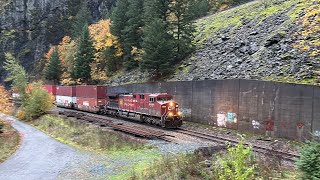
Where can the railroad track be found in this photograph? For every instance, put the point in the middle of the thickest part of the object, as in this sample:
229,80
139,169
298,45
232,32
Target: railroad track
152,134
223,140
105,121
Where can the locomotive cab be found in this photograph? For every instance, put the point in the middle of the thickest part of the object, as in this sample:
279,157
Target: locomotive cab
170,114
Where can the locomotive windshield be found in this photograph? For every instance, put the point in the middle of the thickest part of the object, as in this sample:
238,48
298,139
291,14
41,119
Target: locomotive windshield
164,98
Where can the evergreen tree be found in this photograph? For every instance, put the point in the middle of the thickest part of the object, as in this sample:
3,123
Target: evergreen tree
53,69
156,9
183,27
132,33
112,61
158,44
84,56
119,18
17,75
158,48
82,18
198,8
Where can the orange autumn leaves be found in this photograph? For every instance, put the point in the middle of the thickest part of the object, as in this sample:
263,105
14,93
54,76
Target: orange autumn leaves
102,39
5,104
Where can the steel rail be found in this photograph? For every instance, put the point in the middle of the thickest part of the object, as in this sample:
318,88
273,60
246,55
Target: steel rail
224,140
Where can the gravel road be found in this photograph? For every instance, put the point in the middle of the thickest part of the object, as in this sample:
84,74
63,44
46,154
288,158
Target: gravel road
40,156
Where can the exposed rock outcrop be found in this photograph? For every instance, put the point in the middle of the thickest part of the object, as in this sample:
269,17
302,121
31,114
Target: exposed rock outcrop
29,27
259,47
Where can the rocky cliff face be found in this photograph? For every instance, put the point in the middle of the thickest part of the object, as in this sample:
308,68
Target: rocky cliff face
29,27
254,41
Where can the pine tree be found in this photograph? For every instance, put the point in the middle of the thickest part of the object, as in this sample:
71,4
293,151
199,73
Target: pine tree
158,48
183,27
84,56
119,18
198,8
112,60
82,18
53,69
156,9
17,74
158,44
132,33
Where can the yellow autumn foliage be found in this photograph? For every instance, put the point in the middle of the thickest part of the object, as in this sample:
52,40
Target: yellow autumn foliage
310,22
5,104
102,39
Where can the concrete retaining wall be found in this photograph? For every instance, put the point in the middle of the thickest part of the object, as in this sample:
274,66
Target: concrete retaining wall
275,109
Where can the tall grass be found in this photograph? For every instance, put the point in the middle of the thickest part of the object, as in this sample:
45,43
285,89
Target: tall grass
85,136
9,140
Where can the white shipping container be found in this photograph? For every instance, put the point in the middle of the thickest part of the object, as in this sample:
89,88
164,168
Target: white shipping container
15,95
65,101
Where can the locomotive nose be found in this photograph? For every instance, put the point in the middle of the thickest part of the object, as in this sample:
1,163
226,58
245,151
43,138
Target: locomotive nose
171,104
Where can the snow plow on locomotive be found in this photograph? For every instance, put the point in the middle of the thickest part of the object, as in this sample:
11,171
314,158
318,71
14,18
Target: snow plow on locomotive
158,109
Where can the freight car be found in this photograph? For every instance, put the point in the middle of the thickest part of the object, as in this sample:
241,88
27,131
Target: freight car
159,109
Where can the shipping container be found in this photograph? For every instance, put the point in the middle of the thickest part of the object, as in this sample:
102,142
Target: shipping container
91,91
89,104
52,89
66,101
66,91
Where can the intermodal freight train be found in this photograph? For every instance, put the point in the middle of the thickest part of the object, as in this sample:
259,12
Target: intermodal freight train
153,108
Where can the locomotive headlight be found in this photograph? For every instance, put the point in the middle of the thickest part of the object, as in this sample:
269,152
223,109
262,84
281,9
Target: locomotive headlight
170,114
179,113
171,103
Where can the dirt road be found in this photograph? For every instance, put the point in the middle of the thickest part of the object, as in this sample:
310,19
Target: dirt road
39,156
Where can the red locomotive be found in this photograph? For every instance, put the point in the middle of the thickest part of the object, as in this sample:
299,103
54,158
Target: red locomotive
159,109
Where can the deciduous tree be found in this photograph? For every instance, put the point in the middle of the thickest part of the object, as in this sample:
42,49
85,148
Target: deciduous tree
5,104
108,50
67,49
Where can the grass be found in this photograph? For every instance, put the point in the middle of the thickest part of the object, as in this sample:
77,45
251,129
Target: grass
86,136
9,140
183,166
141,166
255,10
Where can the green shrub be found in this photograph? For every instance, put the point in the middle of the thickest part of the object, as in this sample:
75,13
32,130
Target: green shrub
236,164
38,103
309,162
